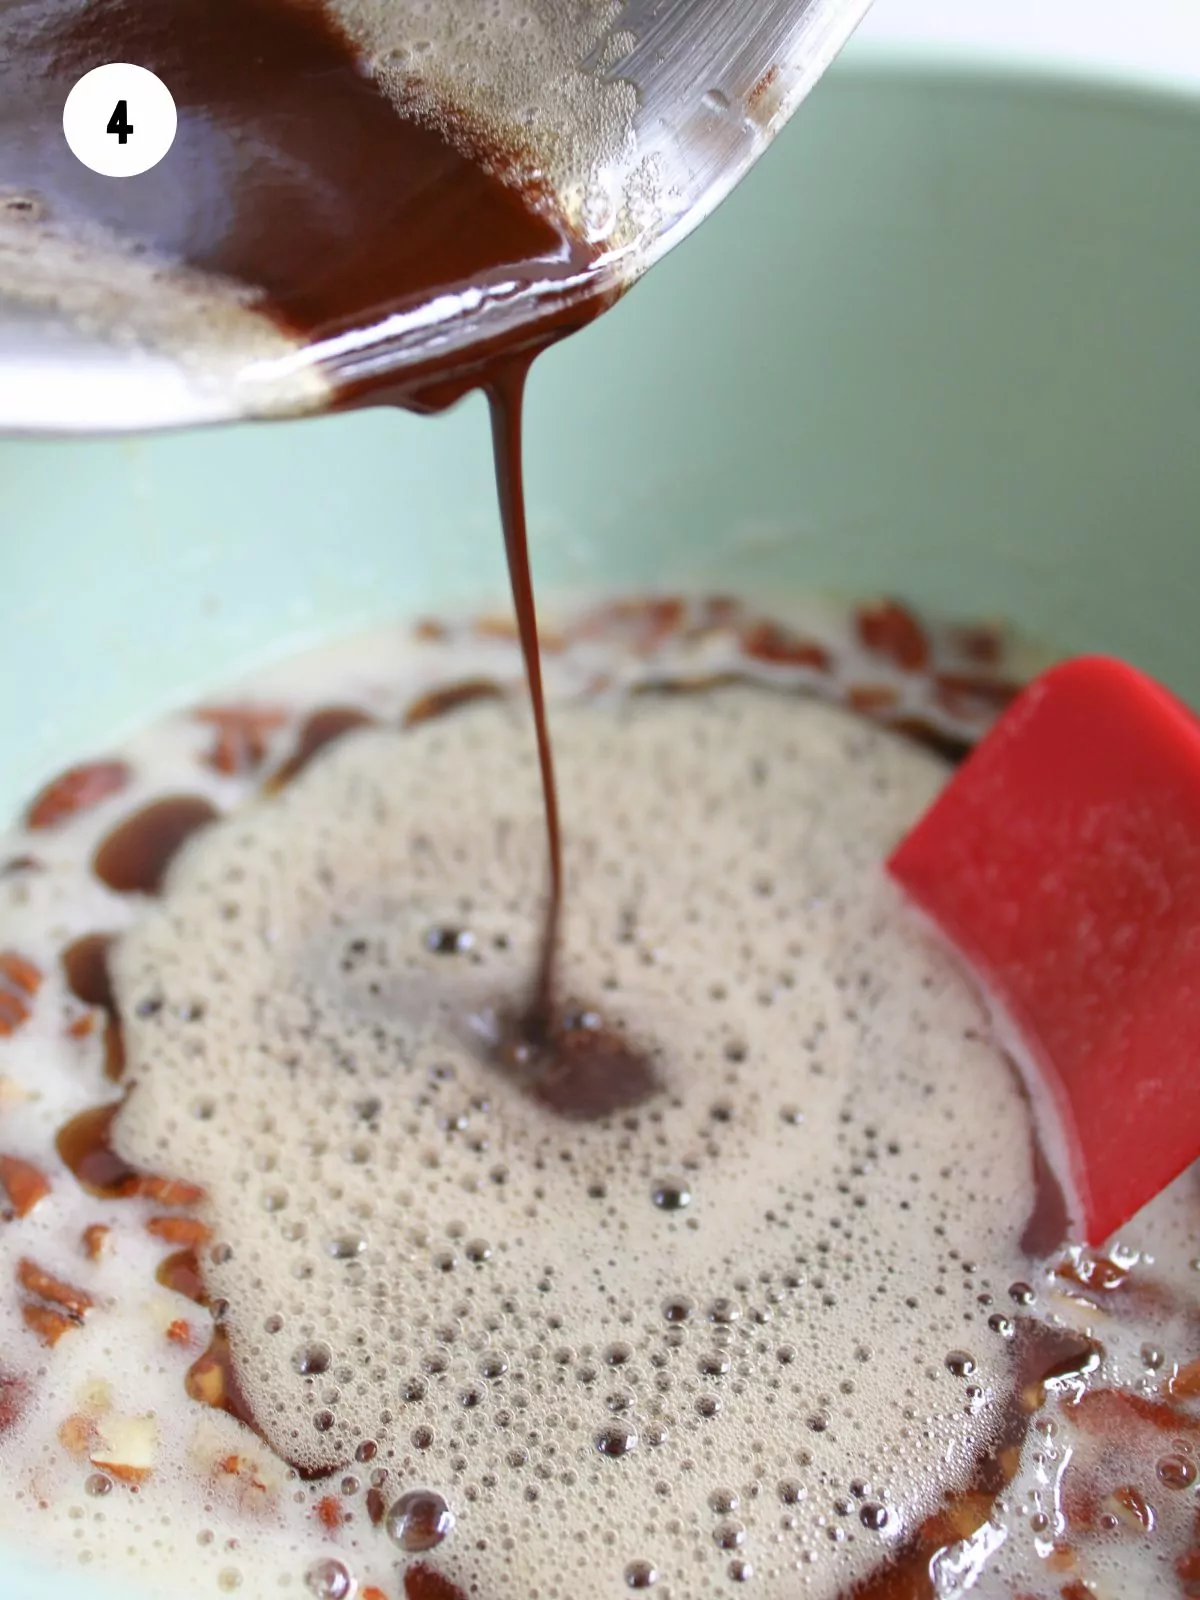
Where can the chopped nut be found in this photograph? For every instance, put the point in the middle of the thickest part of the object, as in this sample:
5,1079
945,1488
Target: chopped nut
25,1183
14,1013
869,699
252,1478
440,702
890,630
780,647
76,790
205,1381
126,1447
179,1230
241,736
1185,1385
97,1237
47,1324
1133,1509
76,1302
76,1434
19,972
169,1191
329,1513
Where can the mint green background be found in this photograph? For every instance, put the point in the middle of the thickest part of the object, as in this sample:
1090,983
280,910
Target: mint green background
944,341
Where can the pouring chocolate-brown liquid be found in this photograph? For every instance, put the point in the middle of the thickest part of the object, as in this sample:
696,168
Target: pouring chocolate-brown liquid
293,174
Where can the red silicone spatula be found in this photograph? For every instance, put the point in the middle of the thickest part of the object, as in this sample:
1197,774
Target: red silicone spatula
1063,863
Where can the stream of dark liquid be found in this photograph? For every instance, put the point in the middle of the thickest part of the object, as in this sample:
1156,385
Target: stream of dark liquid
506,397
293,174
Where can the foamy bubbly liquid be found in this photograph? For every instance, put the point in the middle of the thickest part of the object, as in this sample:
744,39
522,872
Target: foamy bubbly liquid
751,1333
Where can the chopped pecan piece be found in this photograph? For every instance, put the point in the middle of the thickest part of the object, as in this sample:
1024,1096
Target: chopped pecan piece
25,1183
76,790
240,736
45,1286
890,630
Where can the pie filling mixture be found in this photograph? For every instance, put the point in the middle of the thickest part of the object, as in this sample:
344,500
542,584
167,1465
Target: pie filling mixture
746,1275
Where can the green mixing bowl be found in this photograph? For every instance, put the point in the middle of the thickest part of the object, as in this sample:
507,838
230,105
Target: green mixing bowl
943,342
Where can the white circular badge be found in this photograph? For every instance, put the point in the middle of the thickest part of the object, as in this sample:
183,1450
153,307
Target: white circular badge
120,120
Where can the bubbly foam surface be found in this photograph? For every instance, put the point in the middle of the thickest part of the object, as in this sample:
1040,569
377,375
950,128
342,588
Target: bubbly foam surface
753,1333
548,1321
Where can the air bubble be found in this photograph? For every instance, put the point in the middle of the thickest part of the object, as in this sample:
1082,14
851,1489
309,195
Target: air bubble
312,1359
346,1246
874,1517
448,941
961,1363
641,1575
616,1440
329,1580
1176,1472
729,1535
419,1520
671,1194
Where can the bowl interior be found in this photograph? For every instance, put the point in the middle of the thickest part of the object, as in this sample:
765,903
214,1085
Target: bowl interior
942,343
